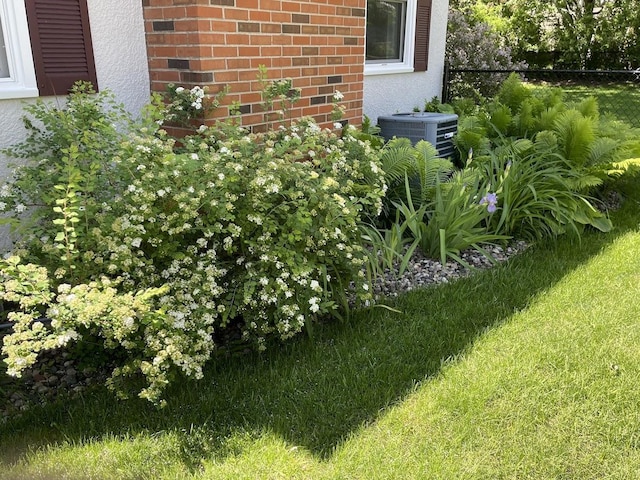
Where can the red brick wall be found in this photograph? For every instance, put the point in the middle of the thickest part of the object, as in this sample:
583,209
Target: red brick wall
319,44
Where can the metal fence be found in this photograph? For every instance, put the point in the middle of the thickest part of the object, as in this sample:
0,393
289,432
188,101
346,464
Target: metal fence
617,91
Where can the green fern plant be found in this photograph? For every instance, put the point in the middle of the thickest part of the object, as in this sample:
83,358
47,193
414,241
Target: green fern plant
576,134
500,119
513,92
590,143
420,164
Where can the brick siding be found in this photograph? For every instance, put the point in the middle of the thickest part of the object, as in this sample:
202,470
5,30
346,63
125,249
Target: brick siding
319,44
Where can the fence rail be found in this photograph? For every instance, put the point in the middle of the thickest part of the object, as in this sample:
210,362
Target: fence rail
617,91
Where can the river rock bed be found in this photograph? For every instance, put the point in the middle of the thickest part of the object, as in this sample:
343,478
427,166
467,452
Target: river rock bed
422,271
54,375
57,375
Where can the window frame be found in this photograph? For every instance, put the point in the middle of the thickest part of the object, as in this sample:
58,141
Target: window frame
21,82
374,67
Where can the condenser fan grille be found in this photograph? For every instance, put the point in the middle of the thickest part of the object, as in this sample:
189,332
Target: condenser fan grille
436,128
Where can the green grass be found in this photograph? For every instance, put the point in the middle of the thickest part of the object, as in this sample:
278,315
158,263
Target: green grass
529,370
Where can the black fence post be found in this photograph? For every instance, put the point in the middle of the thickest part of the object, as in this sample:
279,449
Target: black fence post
446,78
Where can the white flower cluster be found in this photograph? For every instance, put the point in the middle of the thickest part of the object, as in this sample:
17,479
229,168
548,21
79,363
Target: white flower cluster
187,103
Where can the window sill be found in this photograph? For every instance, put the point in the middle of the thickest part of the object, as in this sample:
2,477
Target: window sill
386,69
12,92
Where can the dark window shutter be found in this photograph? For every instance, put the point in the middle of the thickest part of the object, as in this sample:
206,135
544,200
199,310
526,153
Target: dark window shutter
61,44
423,27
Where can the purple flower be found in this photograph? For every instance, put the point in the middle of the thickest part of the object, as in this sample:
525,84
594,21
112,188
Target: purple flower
490,200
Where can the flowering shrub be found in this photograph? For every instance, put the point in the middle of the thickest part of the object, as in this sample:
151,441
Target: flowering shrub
476,46
259,229
128,321
184,104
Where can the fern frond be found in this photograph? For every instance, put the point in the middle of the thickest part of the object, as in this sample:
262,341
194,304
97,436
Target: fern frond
513,92
547,119
545,141
620,168
589,108
467,140
430,169
576,135
397,161
398,142
425,151
524,121
603,150
521,146
501,119
583,183
549,97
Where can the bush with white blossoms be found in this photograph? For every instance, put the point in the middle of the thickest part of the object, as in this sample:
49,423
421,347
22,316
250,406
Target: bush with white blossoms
256,229
184,104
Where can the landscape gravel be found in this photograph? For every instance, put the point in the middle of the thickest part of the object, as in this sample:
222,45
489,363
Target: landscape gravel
422,271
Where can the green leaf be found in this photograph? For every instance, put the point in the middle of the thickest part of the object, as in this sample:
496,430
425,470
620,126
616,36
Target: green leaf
602,223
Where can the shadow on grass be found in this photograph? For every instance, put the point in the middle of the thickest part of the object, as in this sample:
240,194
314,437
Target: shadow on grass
315,392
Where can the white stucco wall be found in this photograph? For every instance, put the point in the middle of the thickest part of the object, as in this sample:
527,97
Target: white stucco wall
117,31
394,93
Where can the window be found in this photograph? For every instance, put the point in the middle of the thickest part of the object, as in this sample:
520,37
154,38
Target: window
4,62
45,47
17,75
397,36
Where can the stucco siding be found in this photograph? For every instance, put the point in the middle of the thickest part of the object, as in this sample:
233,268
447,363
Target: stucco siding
117,31
394,93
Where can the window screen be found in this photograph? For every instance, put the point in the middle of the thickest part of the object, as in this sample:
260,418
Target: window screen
385,30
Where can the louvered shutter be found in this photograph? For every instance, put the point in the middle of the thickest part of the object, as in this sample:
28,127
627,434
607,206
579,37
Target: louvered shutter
423,27
61,44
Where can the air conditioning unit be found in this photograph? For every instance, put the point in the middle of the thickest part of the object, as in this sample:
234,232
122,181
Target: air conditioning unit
436,128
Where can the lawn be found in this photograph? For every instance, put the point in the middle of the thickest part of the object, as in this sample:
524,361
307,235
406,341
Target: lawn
528,370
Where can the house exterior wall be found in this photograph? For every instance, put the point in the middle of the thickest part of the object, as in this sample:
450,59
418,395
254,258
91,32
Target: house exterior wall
121,64
394,93
319,44
117,32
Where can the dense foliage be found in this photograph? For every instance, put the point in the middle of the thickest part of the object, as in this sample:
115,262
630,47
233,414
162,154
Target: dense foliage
591,143
534,166
474,45
581,34
155,250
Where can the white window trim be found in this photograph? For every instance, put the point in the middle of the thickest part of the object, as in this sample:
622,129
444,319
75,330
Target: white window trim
22,80
406,65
